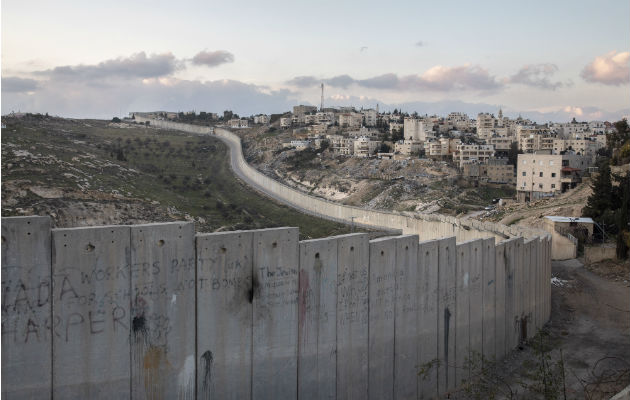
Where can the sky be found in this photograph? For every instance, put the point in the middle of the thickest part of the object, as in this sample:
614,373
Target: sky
548,60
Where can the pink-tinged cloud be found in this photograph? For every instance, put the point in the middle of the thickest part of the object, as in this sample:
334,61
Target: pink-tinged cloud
610,69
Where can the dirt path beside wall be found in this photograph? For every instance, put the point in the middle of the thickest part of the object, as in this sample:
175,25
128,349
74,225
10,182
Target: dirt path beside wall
589,327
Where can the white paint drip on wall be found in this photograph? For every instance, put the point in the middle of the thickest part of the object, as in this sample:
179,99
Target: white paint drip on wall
185,379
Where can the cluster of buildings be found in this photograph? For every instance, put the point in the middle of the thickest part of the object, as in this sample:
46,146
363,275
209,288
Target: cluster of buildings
553,156
479,147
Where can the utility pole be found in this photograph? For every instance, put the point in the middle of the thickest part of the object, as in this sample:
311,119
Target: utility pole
352,224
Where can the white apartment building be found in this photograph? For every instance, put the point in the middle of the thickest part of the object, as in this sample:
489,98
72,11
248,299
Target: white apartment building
472,153
238,123
365,147
441,148
341,145
261,119
545,175
583,147
417,129
298,144
370,116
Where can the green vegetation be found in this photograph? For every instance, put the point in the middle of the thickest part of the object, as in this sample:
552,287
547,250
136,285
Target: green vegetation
177,171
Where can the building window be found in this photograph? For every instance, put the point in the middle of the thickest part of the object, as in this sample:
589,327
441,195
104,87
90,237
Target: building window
553,185
541,175
524,173
553,174
540,185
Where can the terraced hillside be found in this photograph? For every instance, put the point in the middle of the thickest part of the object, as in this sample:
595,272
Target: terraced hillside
90,172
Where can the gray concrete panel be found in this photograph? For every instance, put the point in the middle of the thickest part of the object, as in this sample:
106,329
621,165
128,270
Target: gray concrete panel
548,281
510,293
163,318
489,286
382,287
275,313
525,294
428,318
519,256
476,302
462,313
317,319
26,308
447,304
352,316
224,315
406,343
91,312
499,326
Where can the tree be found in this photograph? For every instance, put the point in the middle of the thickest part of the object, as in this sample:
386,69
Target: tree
623,236
620,135
601,200
116,120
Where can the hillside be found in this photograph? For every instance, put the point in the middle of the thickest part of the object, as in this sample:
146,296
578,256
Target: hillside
93,172
411,184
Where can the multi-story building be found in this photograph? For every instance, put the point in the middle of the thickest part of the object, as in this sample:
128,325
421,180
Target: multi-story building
365,147
496,170
350,120
302,110
261,119
545,175
341,145
407,147
472,153
369,117
238,123
501,144
441,148
417,129
585,147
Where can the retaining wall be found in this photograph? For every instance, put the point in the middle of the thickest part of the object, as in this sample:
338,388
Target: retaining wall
148,311
426,226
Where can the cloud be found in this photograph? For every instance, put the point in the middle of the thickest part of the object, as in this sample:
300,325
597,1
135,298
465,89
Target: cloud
536,75
420,43
80,99
342,81
213,58
136,66
363,48
438,78
609,69
303,81
15,84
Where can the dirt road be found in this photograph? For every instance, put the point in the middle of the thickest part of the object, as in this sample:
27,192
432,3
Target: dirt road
589,329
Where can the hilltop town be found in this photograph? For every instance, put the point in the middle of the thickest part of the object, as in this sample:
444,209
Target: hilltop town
451,164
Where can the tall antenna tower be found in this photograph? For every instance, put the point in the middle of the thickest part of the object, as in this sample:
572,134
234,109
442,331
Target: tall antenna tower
321,106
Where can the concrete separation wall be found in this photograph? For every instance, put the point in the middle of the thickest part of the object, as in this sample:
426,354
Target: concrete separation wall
426,226
154,310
